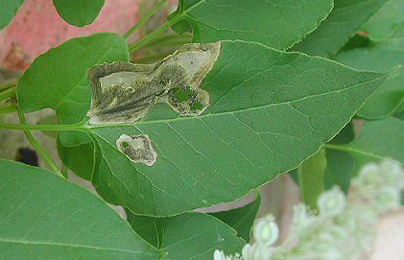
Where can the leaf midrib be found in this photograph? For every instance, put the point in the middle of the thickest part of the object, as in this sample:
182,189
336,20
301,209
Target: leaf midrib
210,115
33,243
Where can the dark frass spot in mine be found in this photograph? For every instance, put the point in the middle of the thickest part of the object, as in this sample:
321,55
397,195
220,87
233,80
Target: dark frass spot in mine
27,156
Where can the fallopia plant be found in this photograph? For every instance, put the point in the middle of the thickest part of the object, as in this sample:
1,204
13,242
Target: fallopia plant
237,93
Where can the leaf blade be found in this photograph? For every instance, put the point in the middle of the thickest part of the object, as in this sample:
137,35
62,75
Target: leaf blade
79,12
46,217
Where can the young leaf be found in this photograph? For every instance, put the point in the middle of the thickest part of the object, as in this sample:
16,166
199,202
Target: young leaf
382,57
342,23
43,216
311,178
241,219
79,12
386,21
8,10
188,236
57,79
271,22
268,112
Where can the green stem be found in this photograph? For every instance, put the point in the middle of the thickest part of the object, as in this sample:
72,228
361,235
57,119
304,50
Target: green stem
8,93
40,150
7,85
144,18
8,109
166,38
136,46
49,128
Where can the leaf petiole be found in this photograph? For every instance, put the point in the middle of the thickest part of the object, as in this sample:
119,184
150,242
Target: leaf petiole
38,147
7,85
144,18
49,128
144,41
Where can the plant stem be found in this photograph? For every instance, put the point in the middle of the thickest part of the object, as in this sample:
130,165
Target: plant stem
7,85
40,150
49,128
163,39
146,17
137,45
8,109
8,93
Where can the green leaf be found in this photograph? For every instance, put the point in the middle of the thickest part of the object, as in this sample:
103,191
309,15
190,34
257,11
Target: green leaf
386,21
277,24
79,159
8,10
79,12
43,216
340,166
343,22
241,219
311,178
382,57
378,140
57,79
188,236
269,111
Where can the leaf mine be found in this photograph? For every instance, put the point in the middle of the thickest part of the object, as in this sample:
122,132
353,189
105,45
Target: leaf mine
123,92
138,148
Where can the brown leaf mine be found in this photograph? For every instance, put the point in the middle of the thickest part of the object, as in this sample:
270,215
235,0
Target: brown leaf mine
123,92
138,148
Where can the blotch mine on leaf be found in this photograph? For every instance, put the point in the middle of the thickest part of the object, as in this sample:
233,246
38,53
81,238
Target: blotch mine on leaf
123,92
138,148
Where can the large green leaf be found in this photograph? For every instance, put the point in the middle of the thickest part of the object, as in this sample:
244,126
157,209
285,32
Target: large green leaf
269,111
8,9
386,22
187,236
57,79
241,219
382,57
275,23
44,217
378,140
343,22
79,12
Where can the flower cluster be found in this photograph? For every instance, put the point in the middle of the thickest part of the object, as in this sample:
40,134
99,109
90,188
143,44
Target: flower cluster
343,229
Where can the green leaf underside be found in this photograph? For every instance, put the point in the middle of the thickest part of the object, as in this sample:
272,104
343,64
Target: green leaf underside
386,21
43,216
187,236
342,23
275,23
269,111
311,178
378,140
79,12
8,10
57,79
382,57
241,219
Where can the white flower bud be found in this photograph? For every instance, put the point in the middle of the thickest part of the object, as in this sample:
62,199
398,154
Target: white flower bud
393,173
331,202
386,199
266,231
219,255
369,176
